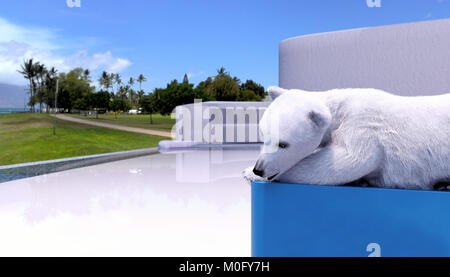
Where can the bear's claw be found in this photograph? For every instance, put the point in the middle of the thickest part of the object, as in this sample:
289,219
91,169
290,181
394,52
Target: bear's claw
249,176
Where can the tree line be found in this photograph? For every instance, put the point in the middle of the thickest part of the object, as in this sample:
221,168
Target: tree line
77,92
41,83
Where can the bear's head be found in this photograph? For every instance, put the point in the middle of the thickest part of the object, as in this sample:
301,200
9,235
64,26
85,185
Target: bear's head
292,128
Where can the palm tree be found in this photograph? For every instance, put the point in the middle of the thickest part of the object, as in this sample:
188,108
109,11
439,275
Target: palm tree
131,81
103,80
109,83
237,80
140,94
50,83
86,76
41,71
117,80
141,79
221,71
132,94
27,70
112,80
123,92
106,80
33,98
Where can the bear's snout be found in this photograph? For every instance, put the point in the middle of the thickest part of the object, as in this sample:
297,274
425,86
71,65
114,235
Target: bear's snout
258,169
258,172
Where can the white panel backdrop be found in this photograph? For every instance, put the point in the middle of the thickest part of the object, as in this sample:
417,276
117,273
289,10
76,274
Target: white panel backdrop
405,59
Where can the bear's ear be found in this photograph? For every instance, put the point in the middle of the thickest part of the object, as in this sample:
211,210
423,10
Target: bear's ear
319,119
274,92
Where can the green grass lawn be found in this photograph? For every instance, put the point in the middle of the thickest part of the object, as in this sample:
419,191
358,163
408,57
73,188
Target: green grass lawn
160,122
29,137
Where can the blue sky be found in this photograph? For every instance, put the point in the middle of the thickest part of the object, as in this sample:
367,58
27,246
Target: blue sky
167,38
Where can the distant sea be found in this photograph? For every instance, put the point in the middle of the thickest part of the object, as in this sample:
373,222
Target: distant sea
10,110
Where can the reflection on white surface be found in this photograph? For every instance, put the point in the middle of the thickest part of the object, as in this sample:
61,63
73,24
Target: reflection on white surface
182,204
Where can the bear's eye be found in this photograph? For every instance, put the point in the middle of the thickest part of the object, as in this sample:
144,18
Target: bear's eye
283,145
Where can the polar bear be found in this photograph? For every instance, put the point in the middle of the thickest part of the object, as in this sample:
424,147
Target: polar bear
341,136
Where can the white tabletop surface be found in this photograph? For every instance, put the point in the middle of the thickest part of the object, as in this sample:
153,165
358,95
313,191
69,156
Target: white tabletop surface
190,203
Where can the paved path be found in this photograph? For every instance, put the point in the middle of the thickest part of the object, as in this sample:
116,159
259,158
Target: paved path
113,126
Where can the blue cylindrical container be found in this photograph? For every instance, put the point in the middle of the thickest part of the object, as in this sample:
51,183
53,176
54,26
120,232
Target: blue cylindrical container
292,220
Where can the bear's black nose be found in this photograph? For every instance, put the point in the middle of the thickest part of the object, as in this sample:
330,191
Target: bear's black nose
257,172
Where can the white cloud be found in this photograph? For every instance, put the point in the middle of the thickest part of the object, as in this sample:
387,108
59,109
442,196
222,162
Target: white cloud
19,43
100,61
37,37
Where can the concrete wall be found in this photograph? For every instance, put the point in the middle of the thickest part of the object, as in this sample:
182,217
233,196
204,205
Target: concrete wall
219,122
405,59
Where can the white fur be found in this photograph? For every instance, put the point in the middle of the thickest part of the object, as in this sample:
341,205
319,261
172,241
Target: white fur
391,141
